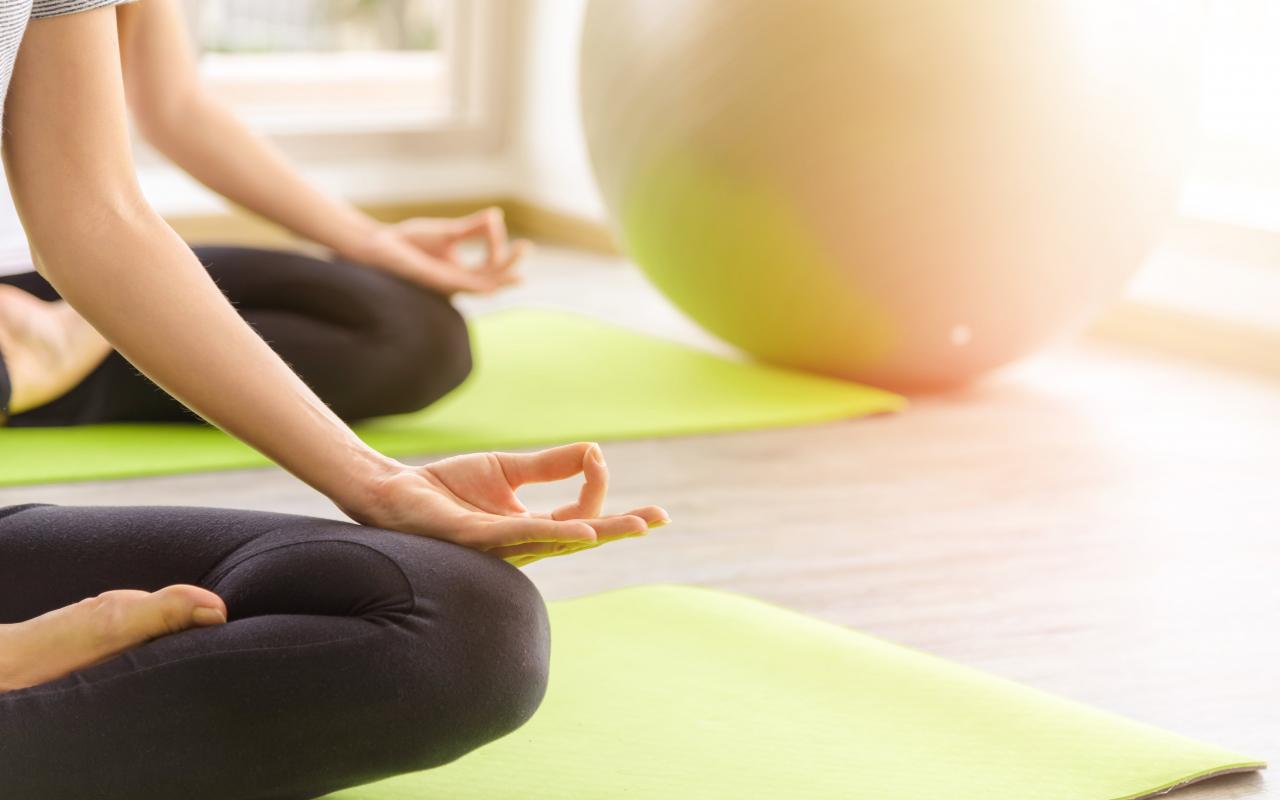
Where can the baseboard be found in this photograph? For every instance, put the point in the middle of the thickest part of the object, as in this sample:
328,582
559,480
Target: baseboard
549,225
1180,333
523,218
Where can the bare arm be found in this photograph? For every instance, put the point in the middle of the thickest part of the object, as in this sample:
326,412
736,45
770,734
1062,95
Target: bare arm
199,133
196,130
116,261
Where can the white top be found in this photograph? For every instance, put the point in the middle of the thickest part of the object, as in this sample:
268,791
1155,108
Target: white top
14,16
15,254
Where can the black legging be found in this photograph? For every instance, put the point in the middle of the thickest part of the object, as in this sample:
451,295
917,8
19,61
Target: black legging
367,343
350,654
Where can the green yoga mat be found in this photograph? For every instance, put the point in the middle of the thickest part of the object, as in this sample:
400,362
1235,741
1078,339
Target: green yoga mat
541,377
671,693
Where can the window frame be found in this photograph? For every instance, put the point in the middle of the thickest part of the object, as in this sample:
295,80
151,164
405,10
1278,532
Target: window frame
477,43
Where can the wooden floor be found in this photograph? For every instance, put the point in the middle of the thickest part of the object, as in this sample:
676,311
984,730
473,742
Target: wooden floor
1099,523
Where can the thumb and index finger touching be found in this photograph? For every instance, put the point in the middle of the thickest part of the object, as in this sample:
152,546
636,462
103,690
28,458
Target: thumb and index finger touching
566,461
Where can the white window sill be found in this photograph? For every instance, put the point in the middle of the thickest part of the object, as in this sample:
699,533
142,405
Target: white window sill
291,94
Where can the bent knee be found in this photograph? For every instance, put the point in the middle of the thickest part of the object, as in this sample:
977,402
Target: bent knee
429,346
439,360
491,667
513,680
506,646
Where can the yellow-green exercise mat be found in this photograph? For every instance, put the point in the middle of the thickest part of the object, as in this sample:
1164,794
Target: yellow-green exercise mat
677,693
541,377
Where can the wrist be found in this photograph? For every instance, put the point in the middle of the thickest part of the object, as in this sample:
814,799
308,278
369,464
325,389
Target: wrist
360,238
362,494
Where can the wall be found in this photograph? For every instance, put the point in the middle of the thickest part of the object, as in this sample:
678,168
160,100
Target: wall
540,154
547,150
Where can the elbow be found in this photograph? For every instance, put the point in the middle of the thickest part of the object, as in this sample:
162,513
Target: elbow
162,117
101,220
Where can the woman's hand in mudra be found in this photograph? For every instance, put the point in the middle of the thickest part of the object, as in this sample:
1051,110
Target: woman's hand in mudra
428,251
471,500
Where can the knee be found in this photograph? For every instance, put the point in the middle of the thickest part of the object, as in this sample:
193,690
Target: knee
511,680
496,663
430,348
456,647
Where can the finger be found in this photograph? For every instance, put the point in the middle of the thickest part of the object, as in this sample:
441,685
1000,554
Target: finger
432,273
538,550
482,282
590,502
497,531
489,278
509,279
496,235
500,280
490,224
523,555
473,281
523,561
518,251
542,466
654,516
623,526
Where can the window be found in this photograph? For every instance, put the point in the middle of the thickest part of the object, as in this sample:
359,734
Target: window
341,66
1222,261
1236,178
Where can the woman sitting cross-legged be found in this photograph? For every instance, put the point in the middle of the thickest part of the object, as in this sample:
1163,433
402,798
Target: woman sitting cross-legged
367,325
266,655
150,652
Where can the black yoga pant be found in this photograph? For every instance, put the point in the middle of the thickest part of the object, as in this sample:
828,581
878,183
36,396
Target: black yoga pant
367,343
351,654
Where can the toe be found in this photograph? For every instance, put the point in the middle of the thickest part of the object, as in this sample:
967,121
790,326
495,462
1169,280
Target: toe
179,607
124,618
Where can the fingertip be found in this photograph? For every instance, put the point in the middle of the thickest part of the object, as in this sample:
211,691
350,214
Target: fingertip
593,455
580,449
654,516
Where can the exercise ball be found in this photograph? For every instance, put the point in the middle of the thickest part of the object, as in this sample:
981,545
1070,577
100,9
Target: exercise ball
903,192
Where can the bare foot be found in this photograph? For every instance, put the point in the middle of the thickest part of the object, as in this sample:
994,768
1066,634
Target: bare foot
48,348
62,641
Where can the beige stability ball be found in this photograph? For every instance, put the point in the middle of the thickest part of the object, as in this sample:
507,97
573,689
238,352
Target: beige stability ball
903,192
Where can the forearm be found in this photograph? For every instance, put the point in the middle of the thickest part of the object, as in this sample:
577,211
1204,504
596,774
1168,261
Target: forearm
207,141
110,255
131,276
68,163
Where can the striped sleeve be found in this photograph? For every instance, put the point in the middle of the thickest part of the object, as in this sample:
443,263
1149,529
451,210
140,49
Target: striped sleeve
56,8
